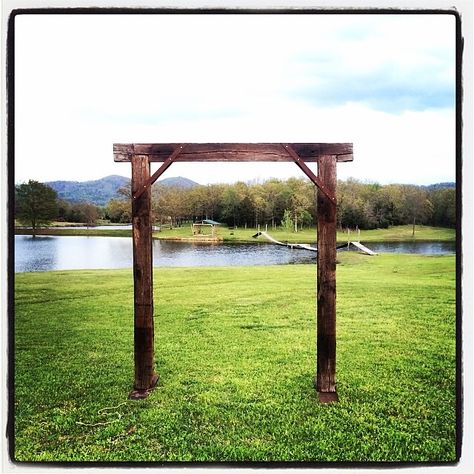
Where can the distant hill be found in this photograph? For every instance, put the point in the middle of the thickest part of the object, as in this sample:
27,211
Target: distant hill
101,191
441,186
178,181
98,192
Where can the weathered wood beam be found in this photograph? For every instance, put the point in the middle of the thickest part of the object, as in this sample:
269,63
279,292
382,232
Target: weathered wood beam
326,283
309,173
271,152
145,377
166,164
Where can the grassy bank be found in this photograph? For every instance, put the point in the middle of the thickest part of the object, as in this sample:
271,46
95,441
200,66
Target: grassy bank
235,349
392,234
91,232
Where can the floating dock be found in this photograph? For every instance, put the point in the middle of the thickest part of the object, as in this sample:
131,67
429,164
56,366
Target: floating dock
360,246
291,246
363,248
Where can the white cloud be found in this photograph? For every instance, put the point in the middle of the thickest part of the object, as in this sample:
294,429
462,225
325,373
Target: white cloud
86,82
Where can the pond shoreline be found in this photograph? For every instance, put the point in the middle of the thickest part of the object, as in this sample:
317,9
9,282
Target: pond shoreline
244,236
52,252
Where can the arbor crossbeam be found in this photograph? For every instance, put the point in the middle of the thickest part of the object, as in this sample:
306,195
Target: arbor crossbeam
271,152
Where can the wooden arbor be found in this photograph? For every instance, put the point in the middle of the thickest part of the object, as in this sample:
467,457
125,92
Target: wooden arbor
325,154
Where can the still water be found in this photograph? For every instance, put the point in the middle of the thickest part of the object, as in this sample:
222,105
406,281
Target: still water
45,253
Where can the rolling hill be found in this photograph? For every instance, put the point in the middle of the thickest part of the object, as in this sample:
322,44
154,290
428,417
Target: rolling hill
100,191
178,182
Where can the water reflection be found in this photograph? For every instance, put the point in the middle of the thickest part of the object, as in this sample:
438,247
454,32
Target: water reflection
428,248
45,253
35,254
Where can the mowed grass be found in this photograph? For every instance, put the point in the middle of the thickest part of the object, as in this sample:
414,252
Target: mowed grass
392,234
235,350
405,233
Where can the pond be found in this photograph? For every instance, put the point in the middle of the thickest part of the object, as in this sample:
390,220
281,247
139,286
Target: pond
45,253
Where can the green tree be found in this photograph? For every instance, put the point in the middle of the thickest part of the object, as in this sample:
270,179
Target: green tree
36,204
351,204
89,213
287,221
119,210
244,212
230,204
213,197
64,210
169,204
306,218
300,199
258,202
416,205
196,198
444,207
272,195
384,207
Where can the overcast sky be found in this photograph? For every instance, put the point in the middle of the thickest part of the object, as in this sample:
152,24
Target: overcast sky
386,83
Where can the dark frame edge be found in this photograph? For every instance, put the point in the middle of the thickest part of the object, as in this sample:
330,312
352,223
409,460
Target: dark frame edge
10,85
294,10
459,207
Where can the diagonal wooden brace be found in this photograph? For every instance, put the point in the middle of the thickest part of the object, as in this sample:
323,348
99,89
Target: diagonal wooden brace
166,164
307,171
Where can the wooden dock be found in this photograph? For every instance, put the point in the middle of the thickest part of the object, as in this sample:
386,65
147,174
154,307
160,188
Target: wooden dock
363,248
360,246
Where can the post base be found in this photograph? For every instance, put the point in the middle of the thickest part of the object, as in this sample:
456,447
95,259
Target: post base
325,397
328,397
143,393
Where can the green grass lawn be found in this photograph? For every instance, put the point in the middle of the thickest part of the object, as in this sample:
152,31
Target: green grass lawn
392,234
235,350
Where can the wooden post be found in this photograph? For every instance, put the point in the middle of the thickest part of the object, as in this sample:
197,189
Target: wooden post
145,377
326,283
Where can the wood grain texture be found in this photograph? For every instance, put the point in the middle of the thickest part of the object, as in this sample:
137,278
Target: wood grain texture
143,277
326,278
166,164
159,152
308,172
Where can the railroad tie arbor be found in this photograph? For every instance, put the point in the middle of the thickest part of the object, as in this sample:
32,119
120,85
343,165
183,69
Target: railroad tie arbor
326,155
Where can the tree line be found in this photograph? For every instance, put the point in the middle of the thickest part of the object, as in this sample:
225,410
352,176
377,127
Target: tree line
289,203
